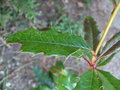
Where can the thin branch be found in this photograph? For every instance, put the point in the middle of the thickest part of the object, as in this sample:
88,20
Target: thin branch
108,27
87,61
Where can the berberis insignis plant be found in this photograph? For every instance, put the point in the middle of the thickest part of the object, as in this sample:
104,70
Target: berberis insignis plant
89,48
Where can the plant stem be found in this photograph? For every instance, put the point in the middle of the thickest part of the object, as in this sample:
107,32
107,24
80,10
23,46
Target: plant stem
87,61
114,13
108,27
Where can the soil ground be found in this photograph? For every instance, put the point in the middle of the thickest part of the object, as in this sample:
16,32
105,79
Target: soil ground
23,79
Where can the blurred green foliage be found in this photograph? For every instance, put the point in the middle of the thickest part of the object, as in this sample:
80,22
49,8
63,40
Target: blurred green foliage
12,10
56,79
67,25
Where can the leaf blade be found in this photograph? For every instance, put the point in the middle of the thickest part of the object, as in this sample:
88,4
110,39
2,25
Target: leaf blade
109,82
112,41
105,60
46,80
41,88
64,79
87,81
97,80
114,48
49,42
91,32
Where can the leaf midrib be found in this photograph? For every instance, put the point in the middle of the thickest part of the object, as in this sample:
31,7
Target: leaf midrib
108,81
91,80
75,46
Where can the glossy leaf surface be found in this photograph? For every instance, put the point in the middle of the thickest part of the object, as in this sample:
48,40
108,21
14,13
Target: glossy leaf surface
49,42
64,80
109,82
89,81
98,80
42,88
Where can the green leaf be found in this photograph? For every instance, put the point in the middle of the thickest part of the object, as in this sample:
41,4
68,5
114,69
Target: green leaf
64,80
89,81
41,88
68,81
60,64
26,6
113,49
110,43
97,80
42,77
67,25
60,87
113,1
82,52
91,32
58,69
49,42
105,60
108,81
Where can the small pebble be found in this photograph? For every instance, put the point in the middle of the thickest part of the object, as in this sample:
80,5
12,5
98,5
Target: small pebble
80,4
30,81
18,64
66,1
1,60
8,84
40,12
2,72
34,85
9,65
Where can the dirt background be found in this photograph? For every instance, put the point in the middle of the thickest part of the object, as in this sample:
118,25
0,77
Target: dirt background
13,60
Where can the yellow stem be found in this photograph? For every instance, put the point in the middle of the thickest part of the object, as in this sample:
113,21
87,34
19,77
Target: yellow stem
106,30
108,27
